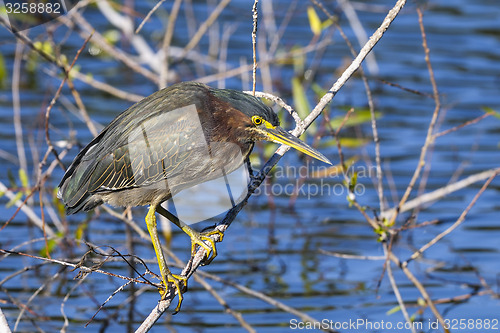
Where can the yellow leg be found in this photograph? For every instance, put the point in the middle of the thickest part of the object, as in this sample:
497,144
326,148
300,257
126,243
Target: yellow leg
196,237
166,275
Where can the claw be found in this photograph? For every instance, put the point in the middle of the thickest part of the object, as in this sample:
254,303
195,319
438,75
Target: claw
176,280
214,232
196,237
211,249
200,238
166,276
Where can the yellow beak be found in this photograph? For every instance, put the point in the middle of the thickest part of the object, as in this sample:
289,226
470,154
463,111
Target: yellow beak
279,135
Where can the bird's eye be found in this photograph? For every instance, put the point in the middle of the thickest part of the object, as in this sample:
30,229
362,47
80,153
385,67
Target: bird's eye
257,120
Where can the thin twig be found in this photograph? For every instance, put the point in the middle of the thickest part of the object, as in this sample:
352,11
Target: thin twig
91,81
467,123
359,32
38,291
21,205
356,63
197,259
204,27
237,315
458,221
430,130
158,4
376,140
120,55
78,100
350,256
21,36
352,197
303,316
413,91
82,268
255,17
395,289
442,192
56,96
26,210
166,43
16,107
120,288
81,76
339,147
65,299
273,45
247,68
420,288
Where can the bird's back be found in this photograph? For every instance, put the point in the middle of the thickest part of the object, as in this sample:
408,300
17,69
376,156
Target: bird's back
151,151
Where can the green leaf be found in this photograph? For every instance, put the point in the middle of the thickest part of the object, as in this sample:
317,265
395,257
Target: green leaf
3,71
487,109
326,24
269,150
301,102
23,177
351,143
299,62
334,170
64,60
112,36
314,21
255,161
299,98
34,57
318,90
395,309
51,244
44,46
15,199
353,181
356,118
73,71
80,230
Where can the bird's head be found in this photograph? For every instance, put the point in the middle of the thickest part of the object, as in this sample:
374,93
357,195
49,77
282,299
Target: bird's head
262,124
267,131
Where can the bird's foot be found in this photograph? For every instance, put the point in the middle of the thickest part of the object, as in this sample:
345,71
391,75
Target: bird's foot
180,285
198,239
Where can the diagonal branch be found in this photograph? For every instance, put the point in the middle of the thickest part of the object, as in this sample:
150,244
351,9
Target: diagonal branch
197,259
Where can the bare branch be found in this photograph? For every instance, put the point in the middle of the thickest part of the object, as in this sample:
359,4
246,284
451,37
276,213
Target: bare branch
430,131
458,221
4,325
255,17
442,192
197,259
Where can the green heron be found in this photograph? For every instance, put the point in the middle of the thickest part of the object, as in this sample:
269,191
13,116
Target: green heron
151,151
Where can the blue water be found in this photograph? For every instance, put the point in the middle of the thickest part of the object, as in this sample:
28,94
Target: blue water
270,247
